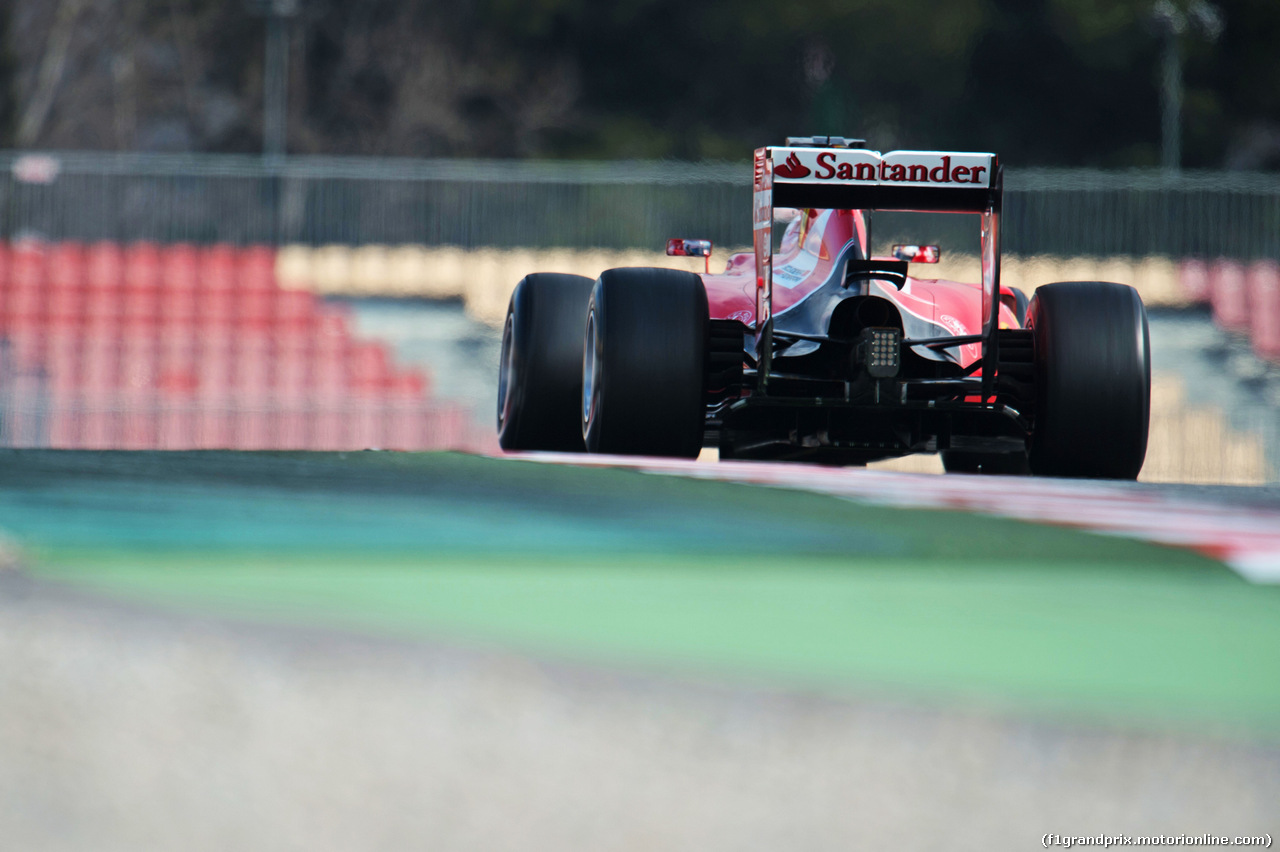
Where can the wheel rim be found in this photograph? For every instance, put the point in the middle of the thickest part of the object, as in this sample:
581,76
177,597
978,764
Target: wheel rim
505,369
590,371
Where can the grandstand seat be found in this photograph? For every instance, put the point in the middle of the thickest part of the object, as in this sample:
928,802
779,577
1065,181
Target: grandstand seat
180,267
367,370
138,363
257,268
291,377
98,420
62,360
24,353
1229,295
65,421
218,268
66,263
295,307
182,346
65,299
254,308
364,424
138,423
142,263
214,351
100,368
176,366
251,367
27,265
65,305
140,308
104,265
1264,309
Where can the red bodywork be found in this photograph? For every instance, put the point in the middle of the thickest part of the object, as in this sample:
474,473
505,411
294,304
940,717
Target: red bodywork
811,249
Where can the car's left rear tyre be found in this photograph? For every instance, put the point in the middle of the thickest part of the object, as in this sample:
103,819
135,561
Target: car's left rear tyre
540,370
644,363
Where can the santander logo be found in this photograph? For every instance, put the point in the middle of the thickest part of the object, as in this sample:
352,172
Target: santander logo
792,169
869,168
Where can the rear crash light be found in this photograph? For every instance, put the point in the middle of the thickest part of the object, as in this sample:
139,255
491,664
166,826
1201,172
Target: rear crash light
881,350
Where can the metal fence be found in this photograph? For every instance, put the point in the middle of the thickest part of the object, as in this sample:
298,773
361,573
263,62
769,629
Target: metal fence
476,203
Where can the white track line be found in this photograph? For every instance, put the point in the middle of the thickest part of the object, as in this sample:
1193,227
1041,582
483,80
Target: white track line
1246,538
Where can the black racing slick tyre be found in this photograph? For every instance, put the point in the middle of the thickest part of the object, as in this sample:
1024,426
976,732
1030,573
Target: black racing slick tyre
540,370
644,363
1093,380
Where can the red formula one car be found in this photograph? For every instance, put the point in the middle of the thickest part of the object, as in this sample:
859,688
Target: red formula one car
817,351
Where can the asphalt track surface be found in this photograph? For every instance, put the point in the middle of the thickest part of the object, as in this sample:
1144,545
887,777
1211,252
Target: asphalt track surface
706,664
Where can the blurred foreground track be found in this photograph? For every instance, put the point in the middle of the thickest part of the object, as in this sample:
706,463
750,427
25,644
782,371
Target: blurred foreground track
124,727
702,577
374,650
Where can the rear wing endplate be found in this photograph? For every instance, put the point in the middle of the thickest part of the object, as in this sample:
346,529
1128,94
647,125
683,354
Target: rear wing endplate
860,179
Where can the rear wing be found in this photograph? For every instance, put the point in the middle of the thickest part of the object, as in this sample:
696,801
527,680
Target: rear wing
858,179
839,178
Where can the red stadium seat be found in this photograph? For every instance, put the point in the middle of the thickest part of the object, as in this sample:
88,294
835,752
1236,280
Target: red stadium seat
408,385
139,307
99,419
62,361
255,307
219,268
138,364
251,371
142,265
1193,280
295,307
24,305
6,253
104,265
367,368
180,346
28,264
257,268
67,265
1264,309
180,267
366,421
65,418
176,375
25,349
292,373
100,368
139,421
66,286
1229,295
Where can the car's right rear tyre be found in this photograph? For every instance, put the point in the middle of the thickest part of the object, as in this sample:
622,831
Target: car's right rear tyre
644,363
540,371
1093,380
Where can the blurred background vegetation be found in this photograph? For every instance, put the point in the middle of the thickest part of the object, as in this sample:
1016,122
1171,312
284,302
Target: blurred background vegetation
1044,82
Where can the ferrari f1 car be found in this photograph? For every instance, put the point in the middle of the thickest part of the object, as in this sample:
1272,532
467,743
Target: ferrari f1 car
820,352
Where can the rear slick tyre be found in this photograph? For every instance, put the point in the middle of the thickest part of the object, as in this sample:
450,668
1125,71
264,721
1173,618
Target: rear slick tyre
1093,380
540,370
644,363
